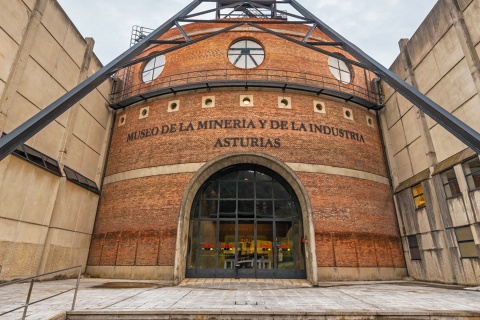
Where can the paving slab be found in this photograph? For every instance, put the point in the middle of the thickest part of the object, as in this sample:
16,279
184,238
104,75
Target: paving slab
267,299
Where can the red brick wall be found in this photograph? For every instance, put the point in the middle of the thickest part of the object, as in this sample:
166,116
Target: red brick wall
354,219
198,145
280,54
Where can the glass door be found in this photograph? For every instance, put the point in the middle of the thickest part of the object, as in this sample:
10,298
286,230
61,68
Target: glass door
227,249
264,262
246,221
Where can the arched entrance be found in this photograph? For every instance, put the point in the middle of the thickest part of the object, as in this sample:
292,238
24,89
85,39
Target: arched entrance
246,217
208,170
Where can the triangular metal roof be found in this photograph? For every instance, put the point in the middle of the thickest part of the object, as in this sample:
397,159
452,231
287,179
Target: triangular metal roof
268,11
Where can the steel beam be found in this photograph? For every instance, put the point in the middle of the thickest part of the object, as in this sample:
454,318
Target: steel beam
182,45
447,120
304,44
32,126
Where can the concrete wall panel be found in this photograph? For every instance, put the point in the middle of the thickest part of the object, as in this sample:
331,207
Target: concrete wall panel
45,50
445,143
81,127
55,21
31,233
34,82
8,52
65,249
96,136
66,71
17,179
67,206
402,163
403,104
427,73
429,33
75,45
55,91
48,140
448,52
464,4
410,124
9,229
392,114
418,156
399,142
21,111
92,103
87,215
90,164
470,113
456,207
2,87
14,19
40,197
75,150
472,16
30,3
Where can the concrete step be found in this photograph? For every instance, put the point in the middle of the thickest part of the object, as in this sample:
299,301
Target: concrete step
272,315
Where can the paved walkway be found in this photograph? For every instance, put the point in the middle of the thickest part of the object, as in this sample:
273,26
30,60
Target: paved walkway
240,295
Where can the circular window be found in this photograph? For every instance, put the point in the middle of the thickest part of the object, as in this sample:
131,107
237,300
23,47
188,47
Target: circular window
246,54
153,68
340,70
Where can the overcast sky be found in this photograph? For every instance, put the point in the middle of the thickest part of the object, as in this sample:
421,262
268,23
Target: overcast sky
375,26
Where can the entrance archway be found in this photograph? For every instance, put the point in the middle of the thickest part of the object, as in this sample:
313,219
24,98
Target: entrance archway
280,171
246,221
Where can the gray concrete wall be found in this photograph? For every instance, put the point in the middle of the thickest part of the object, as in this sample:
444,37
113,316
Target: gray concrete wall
46,221
442,61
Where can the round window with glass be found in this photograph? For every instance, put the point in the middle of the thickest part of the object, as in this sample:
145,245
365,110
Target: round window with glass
246,54
340,70
153,68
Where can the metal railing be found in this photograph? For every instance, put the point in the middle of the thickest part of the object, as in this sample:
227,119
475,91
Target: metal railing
32,281
136,87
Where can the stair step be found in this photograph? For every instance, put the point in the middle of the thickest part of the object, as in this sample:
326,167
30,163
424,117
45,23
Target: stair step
269,315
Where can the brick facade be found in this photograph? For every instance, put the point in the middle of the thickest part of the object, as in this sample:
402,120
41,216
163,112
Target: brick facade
353,218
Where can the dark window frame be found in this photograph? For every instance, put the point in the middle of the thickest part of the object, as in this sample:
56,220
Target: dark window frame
414,247
472,240
37,158
445,184
474,173
418,196
80,180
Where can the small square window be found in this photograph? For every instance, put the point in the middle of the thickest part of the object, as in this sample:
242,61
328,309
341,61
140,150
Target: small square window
246,100
471,168
319,107
122,120
144,113
208,102
173,106
370,122
285,102
418,197
466,243
347,113
450,184
414,247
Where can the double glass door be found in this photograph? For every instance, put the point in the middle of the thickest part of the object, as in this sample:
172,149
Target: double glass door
245,223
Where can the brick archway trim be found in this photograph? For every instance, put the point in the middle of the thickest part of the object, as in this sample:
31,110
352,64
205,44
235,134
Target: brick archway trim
221,162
